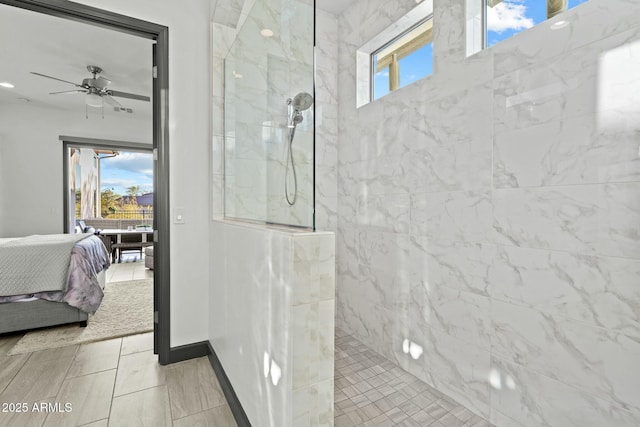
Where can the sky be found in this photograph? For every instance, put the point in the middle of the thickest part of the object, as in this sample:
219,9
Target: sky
513,16
126,170
413,67
503,21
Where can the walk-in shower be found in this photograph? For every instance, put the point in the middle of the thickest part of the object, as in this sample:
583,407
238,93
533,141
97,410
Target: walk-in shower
301,102
269,115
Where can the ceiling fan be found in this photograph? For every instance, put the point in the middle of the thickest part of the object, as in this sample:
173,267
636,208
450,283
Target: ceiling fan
96,89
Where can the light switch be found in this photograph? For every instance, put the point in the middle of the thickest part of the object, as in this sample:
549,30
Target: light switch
178,215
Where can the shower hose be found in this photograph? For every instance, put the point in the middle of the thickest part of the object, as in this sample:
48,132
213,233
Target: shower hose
290,201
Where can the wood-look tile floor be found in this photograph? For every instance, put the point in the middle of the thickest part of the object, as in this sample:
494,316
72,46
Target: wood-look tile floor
116,382
372,391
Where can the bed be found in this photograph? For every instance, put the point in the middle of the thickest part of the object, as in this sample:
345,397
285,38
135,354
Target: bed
49,280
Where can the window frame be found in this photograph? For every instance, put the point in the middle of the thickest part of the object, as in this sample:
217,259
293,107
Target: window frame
372,55
363,53
472,31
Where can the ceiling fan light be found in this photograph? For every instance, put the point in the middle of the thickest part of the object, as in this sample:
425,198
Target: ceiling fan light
93,100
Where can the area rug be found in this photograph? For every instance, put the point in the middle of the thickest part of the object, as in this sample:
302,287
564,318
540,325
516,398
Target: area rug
126,309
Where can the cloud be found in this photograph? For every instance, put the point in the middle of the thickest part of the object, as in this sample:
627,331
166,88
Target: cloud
124,183
140,163
508,15
118,182
147,172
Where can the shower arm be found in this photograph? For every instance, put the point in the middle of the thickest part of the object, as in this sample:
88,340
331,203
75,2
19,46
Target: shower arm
290,113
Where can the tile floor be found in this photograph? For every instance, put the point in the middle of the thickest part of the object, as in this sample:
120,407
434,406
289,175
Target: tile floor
371,391
120,383
131,268
109,383
115,382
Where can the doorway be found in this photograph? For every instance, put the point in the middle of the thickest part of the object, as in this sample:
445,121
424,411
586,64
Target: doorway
159,34
106,180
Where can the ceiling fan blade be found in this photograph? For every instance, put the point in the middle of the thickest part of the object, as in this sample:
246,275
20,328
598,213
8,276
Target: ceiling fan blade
101,82
68,91
111,101
55,78
128,95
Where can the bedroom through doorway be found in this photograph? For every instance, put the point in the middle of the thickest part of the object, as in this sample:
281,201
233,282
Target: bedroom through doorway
96,89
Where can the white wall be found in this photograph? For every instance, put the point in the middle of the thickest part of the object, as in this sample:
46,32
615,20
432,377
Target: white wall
189,126
31,161
490,212
89,176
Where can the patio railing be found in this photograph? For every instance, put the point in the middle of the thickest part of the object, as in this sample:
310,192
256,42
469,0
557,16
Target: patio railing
142,214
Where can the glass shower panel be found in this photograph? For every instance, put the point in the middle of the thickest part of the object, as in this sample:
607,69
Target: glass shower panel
269,132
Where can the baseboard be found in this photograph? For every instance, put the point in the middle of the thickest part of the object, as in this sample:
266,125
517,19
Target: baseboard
227,388
204,348
188,351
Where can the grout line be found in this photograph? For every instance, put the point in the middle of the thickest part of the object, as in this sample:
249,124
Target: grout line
91,373
101,419
66,373
167,379
352,342
137,391
199,412
17,371
143,389
115,381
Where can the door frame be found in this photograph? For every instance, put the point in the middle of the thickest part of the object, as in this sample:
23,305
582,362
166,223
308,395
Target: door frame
160,103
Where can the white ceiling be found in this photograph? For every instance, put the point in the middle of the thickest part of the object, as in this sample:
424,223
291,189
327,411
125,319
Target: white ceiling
62,48
335,7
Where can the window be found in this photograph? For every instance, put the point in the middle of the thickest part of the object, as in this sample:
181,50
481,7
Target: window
404,60
491,21
397,56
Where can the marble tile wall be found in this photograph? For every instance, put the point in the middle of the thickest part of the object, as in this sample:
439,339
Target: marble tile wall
222,37
326,110
313,325
489,214
272,325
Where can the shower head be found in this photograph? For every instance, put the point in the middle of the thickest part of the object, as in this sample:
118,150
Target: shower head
297,119
302,101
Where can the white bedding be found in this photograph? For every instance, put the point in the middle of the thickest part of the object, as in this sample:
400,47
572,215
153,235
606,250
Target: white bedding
36,263
83,272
